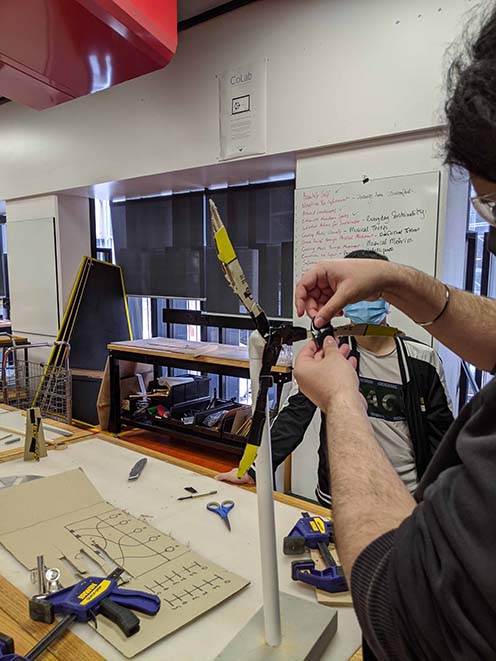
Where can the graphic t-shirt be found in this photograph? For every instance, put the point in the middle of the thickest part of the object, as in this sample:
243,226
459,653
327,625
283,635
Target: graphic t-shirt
380,384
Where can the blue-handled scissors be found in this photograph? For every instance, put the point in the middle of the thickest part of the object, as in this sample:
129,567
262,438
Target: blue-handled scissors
222,509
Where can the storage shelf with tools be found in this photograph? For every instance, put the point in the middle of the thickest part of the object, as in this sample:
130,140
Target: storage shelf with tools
204,357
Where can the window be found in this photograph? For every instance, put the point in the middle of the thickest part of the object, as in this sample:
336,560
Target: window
480,278
166,250
159,243
103,232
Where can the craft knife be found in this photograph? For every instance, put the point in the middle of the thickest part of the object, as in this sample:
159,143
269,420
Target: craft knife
197,495
137,469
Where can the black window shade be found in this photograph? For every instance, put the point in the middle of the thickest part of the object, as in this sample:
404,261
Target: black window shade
159,244
166,249
260,223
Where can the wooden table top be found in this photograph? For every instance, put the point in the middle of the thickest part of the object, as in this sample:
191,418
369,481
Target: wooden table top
201,352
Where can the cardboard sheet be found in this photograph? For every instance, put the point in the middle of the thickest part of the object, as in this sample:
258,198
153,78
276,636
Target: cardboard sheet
64,518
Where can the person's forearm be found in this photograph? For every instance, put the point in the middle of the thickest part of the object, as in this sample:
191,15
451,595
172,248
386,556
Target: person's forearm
467,326
368,497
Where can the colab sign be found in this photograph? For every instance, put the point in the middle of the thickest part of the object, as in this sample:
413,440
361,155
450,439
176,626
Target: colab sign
240,78
243,110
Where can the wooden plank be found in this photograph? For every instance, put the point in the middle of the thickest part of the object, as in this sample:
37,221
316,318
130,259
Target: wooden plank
6,341
22,639
14,604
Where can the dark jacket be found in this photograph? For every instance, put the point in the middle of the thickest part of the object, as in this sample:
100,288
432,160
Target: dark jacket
427,409
427,590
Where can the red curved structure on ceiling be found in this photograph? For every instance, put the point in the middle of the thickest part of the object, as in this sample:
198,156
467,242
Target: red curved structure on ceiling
52,51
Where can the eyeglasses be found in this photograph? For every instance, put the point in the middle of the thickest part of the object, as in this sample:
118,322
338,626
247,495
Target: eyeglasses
485,206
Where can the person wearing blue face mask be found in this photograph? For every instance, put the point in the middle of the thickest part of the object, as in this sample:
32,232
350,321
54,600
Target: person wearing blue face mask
367,312
402,381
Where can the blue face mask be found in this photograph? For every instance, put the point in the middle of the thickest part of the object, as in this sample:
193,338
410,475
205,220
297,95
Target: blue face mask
367,312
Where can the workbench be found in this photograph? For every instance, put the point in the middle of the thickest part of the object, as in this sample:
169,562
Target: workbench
208,357
14,420
107,462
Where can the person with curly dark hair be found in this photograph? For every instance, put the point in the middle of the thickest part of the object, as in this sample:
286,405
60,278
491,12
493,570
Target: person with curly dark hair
421,567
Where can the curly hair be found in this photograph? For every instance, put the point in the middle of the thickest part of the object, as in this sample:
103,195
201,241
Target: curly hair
366,254
471,104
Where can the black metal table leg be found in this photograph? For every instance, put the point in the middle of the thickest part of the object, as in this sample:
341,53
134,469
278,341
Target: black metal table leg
115,395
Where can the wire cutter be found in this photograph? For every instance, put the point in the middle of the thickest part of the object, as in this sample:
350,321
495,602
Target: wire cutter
222,510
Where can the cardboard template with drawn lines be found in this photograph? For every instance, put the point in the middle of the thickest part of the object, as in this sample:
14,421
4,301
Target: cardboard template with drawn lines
187,584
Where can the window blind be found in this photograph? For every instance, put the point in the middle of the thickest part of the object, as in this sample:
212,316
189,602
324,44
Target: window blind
260,222
159,243
166,248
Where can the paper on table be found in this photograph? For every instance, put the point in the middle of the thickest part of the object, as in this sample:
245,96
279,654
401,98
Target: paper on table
60,515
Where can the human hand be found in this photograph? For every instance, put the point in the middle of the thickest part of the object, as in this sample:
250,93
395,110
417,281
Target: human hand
327,374
330,285
232,477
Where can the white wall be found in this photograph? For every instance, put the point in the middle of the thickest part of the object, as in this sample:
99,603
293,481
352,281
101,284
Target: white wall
376,159
73,240
42,269
33,315
339,70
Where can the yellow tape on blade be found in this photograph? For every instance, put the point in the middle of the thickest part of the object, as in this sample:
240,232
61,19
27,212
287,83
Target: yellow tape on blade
381,331
358,330
224,246
249,456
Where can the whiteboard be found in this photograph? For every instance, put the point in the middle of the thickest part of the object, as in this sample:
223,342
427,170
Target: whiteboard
396,216
31,255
